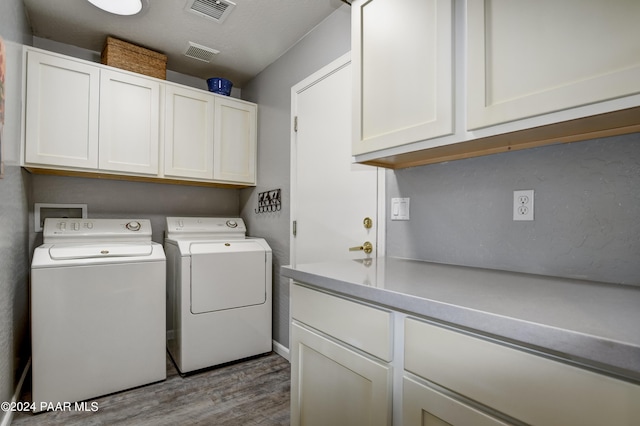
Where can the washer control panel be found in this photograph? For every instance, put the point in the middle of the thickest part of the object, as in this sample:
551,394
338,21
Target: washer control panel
96,230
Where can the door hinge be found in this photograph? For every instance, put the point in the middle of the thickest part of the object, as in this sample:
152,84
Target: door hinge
295,228
295,123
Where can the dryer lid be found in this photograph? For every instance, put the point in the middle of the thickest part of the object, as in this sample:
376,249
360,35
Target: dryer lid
90,251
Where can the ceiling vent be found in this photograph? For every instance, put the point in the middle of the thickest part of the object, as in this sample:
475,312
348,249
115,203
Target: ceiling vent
200,52
218,10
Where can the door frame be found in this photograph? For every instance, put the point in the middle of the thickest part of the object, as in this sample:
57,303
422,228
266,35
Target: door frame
298,88
309,81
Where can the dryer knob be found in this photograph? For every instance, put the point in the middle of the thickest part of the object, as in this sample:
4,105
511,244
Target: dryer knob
133,226
232,224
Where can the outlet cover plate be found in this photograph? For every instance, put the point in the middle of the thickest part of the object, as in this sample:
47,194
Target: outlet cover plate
400,208
523,204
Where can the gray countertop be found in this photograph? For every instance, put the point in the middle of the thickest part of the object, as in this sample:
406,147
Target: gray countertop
593,324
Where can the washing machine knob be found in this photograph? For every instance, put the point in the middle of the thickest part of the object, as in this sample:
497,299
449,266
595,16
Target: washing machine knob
133,226
232,224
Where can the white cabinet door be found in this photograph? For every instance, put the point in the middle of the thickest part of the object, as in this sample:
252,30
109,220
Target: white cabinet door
61,112
527,387
235,140
533,57
403,64
425,406
129,123
333,385
188,133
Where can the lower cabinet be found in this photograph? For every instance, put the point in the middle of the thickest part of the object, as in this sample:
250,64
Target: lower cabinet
354,363
529,388
424,406
334,382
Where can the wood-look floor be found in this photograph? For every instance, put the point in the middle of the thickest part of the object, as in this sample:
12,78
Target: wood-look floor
247,393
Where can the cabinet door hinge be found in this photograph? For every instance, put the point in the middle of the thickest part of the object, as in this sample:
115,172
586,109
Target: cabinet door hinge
295,123
295,228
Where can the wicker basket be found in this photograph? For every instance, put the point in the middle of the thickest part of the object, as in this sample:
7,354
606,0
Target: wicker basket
127,56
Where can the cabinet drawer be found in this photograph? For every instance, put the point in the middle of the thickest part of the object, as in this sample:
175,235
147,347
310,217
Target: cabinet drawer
361,326
530,388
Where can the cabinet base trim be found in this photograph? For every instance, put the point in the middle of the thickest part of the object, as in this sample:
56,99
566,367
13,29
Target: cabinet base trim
98,175
599,126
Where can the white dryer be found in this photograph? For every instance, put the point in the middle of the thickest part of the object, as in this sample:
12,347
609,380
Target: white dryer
219,292
98,289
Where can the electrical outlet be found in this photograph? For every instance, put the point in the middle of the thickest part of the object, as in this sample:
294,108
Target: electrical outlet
523,204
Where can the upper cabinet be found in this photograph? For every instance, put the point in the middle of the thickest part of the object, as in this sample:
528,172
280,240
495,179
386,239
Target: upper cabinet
129,123
91,119
403,65
62,105
439,80
188,133
209,136
235,139
536,57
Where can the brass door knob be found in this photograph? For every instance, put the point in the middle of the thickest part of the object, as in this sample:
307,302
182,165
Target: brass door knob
367,247
367,222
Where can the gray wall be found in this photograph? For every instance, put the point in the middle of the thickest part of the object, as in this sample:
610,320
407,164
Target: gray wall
14,253
271,90
587,211
122,199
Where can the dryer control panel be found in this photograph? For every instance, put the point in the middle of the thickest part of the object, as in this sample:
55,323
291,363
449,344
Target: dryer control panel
73,230
205,227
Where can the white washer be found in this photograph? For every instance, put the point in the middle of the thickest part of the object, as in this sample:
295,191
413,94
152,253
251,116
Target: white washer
98,293
219,292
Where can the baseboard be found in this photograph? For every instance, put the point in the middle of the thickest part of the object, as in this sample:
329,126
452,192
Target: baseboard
281,350
8,415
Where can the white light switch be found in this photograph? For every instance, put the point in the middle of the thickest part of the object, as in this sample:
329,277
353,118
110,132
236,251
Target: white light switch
400,208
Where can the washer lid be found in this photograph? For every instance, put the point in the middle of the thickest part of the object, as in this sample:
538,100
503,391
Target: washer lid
87,251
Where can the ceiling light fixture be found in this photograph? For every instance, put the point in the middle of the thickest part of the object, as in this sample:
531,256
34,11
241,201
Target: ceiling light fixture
119,7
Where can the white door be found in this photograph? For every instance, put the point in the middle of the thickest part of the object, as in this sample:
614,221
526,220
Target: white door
330,195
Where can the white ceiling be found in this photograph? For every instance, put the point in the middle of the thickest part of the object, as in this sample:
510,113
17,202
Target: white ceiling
253,36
